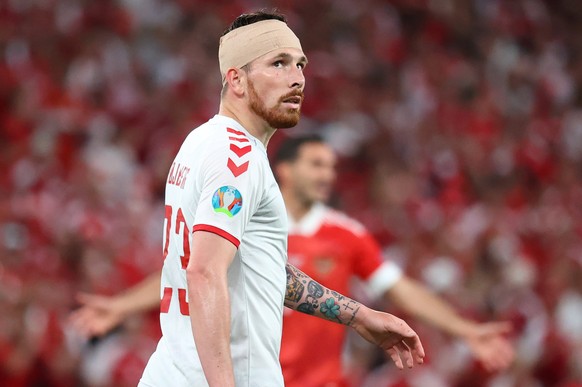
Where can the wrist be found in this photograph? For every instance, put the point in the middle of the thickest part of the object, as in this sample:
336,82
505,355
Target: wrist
463,329
121,307
360,317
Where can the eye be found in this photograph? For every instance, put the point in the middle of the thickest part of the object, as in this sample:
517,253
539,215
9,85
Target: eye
301,65
278,63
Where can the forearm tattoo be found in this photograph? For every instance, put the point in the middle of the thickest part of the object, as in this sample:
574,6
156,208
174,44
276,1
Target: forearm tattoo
307,296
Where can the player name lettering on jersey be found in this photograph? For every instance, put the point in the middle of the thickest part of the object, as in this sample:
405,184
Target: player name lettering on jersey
178,175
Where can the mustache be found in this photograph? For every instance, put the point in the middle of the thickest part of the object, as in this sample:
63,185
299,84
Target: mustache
296,93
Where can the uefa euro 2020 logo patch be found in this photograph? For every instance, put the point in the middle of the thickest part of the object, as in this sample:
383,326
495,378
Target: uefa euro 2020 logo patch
227,200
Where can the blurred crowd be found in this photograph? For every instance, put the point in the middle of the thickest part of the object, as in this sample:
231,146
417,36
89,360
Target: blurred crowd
458,125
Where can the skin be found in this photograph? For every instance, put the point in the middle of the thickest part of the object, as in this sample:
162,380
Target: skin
208,297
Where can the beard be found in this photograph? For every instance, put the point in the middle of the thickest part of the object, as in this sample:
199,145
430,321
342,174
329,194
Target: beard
277,117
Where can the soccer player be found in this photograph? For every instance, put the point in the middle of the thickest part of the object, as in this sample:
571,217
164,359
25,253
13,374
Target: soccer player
332,248
225,276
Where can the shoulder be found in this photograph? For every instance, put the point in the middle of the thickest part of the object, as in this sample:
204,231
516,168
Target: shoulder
216,134
224,148
338,219
226,145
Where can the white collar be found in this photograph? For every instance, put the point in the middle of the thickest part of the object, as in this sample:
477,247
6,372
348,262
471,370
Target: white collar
310,223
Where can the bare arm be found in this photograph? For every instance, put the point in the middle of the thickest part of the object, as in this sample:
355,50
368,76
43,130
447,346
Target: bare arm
209,305
143,296
99,314
487,341
389,332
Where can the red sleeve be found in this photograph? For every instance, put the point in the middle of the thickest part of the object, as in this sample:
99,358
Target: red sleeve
367,256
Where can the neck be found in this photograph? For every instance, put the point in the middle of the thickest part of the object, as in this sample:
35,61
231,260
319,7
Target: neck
254,124
295,207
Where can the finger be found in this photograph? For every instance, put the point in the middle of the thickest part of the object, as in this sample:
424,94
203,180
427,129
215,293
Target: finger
81,321
88,321
501,353
417,349
495,365
488,361
395,356
491,365
77,317
506,355
499,328
90,299
406,353
79,326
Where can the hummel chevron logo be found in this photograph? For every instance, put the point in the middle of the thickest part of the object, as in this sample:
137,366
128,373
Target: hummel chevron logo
231,130
240,152
244,139
237,169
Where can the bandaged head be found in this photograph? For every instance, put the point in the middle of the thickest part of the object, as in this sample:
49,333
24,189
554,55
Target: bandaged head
247,43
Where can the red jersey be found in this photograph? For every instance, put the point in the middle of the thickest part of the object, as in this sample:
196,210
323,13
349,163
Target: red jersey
331,248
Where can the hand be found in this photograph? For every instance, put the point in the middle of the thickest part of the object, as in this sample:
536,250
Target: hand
391,334
97,315
490,346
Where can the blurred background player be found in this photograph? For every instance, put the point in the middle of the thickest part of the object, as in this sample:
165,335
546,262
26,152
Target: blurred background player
332,248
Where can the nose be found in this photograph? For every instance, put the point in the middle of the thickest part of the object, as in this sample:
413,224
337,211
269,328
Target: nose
297,80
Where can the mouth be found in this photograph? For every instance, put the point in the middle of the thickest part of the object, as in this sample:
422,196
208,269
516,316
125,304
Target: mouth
294,101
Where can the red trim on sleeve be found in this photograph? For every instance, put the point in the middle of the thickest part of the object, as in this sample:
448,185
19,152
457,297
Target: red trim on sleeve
217,231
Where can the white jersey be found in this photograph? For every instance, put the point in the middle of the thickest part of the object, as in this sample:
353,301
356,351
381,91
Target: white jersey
221,182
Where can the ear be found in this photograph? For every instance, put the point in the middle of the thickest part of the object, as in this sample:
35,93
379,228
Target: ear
235,78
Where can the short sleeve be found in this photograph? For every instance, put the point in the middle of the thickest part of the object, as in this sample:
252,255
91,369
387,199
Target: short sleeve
366,254
229,194
378,275
383,279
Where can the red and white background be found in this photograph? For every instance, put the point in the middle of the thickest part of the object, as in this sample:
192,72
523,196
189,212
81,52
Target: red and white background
459,130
